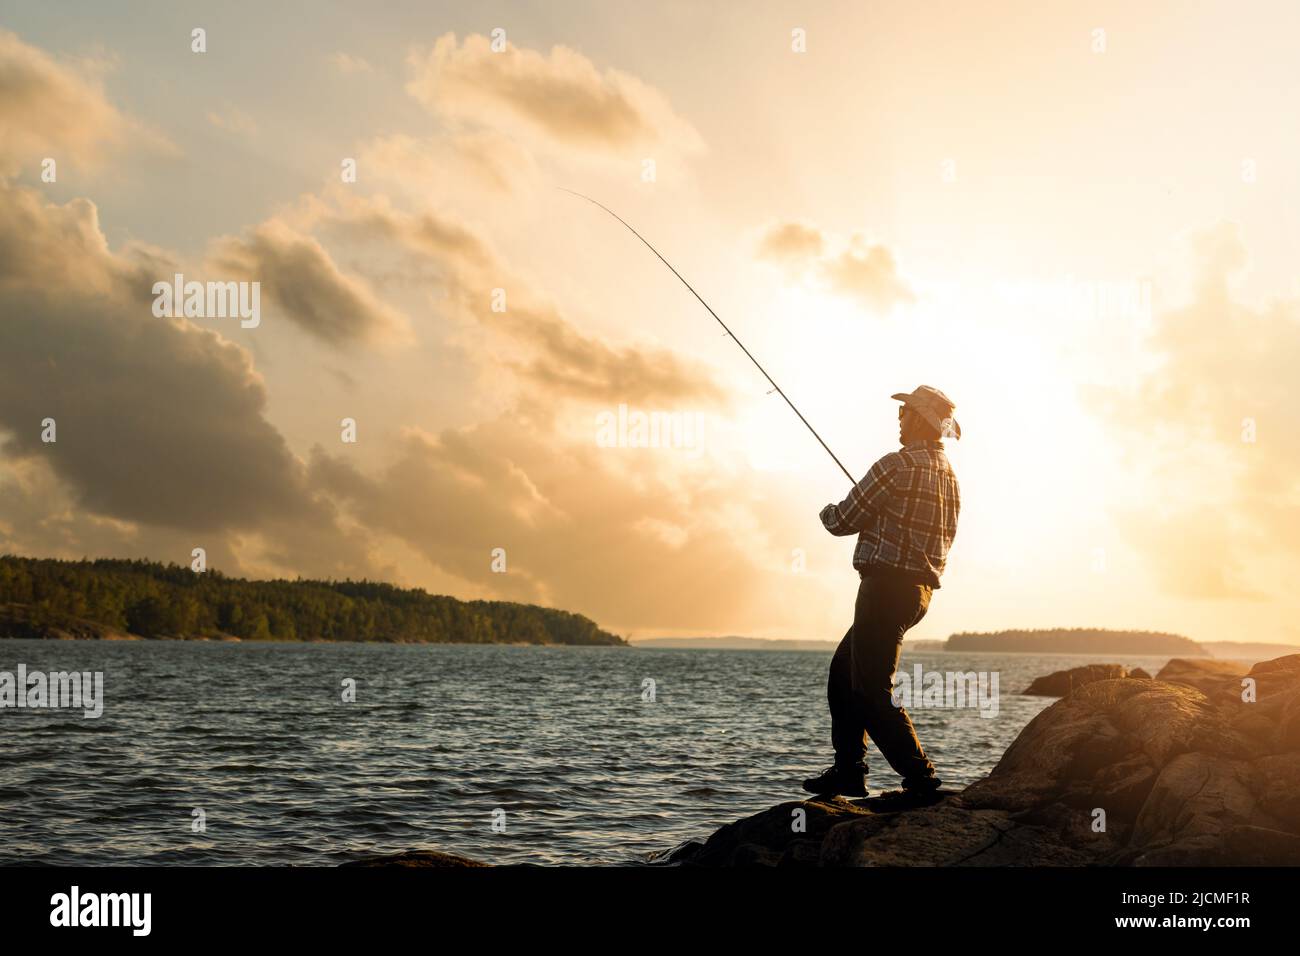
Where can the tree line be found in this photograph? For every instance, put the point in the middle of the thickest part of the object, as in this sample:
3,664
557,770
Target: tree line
154,600
1093,640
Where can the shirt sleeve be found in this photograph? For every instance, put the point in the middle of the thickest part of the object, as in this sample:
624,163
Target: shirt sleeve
865,501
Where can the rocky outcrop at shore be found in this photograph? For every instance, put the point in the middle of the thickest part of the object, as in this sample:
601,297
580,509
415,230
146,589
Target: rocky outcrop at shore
1203,675
1199,766
1061,683
23,622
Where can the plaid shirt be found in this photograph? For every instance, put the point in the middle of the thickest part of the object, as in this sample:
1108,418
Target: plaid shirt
904,512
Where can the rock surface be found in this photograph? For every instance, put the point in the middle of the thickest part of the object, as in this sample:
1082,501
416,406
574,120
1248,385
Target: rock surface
1199,673
1199,766
20,621
1060,683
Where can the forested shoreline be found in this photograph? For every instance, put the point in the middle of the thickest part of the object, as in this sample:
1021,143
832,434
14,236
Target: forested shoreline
43,597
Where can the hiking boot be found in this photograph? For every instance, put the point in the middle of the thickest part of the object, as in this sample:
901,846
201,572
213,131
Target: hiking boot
922,785
850,781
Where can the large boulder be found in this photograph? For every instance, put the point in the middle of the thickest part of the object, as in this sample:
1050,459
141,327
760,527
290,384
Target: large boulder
1204,675
1199,766
1063,683
788,834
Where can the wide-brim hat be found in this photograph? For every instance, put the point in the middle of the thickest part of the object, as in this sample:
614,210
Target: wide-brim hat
934,406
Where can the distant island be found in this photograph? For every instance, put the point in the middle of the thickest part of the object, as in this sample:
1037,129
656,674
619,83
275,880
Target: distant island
1077,640
109,598
1048,641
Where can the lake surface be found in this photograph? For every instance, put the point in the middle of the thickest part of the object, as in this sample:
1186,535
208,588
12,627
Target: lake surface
507,754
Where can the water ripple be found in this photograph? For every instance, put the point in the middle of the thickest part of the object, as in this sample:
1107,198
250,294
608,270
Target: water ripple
223,754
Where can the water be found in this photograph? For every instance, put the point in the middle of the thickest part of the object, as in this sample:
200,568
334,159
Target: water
257,737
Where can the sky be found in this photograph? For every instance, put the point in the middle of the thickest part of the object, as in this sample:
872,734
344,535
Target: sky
1081,222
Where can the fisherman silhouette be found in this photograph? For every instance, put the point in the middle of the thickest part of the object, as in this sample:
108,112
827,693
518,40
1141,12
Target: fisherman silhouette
904,512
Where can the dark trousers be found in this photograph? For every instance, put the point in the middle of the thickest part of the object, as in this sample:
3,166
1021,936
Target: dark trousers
860,687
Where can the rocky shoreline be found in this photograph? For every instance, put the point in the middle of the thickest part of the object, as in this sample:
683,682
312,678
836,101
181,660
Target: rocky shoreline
1198,766
24,623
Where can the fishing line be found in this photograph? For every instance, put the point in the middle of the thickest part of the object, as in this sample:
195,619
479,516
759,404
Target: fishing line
731,335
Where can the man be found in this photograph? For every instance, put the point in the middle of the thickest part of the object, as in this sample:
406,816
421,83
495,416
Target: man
905,515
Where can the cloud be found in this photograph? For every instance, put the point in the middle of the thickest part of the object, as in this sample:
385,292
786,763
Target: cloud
233,120
1211,430
623,535
1191,557
562,96
568,363
350,65
439,238
298,274
546,350
446,164
158,423
860,271
791,242
49,109
868,274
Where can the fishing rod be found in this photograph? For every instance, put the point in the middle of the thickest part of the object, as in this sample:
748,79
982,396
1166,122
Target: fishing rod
730,334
